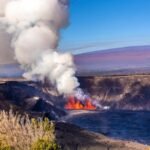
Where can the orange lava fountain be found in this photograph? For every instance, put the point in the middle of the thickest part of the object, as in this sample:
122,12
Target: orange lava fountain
75,104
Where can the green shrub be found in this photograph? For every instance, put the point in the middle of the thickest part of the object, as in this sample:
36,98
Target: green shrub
4,146
43,144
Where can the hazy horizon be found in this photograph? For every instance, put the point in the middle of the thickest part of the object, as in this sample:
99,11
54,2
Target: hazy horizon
113,60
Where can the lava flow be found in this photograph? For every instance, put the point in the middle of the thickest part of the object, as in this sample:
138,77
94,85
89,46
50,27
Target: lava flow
75,104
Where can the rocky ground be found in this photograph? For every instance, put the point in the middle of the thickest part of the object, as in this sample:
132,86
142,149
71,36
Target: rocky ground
29,97
130,92
38,101
71,137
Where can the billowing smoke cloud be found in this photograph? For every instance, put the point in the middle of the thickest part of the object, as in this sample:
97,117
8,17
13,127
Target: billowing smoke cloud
6,52
34,26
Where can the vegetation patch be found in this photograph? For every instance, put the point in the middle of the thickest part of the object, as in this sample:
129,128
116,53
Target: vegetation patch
19,132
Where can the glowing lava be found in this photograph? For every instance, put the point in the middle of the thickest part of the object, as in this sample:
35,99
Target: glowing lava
75,104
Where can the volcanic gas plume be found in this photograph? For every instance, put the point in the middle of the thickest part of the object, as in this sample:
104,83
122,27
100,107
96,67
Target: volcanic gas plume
34,26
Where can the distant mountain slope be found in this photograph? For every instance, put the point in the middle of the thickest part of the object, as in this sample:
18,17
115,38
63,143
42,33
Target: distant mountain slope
112,61
10,70
119,61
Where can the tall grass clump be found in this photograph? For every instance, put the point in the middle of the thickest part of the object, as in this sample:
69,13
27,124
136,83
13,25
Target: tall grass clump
19,132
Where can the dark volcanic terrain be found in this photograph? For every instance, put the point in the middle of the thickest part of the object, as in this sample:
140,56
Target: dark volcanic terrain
37,100
29,97
129,92
71,137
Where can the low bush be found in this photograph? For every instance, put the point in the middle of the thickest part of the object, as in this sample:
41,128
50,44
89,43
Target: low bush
22,133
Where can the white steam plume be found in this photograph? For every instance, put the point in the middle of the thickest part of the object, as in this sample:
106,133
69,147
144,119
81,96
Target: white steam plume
34,26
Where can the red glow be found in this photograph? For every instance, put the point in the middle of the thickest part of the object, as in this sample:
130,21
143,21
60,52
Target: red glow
75,104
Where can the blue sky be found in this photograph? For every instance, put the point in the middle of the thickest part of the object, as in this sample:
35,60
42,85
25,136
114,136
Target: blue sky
102,24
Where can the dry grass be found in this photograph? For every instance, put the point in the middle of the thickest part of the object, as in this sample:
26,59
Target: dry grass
21,133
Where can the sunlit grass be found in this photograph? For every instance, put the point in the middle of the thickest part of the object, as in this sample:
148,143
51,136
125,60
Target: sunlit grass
22,133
